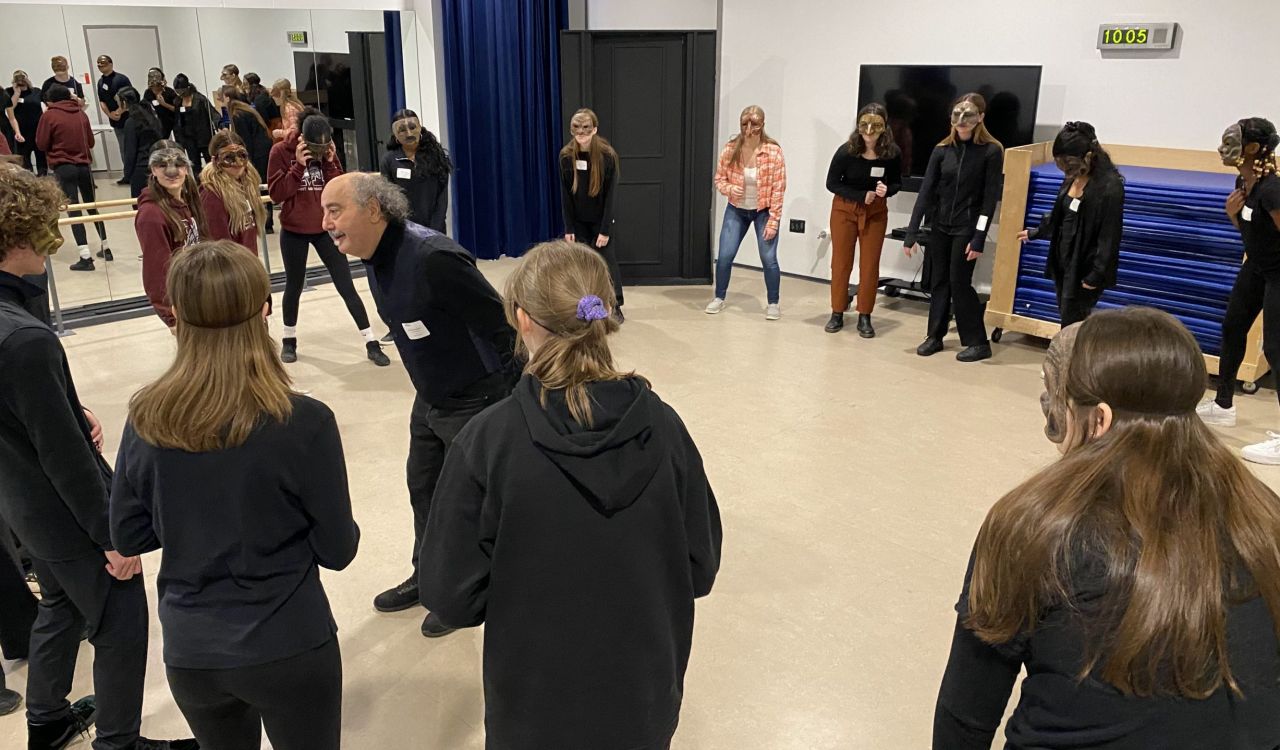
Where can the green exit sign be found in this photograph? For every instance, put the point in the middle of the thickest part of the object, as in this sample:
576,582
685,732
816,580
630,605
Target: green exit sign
297,37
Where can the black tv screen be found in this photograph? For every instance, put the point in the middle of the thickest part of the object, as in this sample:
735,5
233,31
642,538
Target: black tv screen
919,99
324,82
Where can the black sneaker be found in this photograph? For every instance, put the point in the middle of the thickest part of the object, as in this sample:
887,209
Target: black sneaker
389,338
836,323
84,264
107,256
145,744
864,327
9,701
122,181
975,353
375,354
929,347
289,349
432,627
619,317
400,598
57,735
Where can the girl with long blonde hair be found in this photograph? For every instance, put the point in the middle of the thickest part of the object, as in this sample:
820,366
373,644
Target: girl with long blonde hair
588,179
230,193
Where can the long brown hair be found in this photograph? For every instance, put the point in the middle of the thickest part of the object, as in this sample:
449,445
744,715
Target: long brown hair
549,285
1179,527
981,136
167,203
226,378
237,105
885,148
241,197
598,151
737,140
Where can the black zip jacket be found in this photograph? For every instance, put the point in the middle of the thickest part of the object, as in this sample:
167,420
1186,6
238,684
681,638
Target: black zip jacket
1094,254
428,193
446,319
257,141
580,207
582,551
138,140
195,124
53,492
961,187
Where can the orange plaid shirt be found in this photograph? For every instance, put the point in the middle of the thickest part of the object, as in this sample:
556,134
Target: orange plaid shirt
771,179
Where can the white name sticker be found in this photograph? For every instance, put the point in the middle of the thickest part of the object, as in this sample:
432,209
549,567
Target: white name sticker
182,109
403,173
877,171
1075,204
416,330
105,87
1246,213
581,165
982,223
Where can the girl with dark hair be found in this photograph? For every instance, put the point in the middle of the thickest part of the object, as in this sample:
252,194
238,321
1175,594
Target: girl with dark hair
170,217
163,100
418,163
588,178
24,103
1137,578
141,131
229,192
1085,224
1254,207
962,184
865,171
196,120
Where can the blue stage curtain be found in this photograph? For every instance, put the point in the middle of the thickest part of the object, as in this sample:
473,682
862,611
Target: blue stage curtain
395,60
502,88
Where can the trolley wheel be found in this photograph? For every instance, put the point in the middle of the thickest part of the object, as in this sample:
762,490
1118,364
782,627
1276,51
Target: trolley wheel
892,291
997,334
1249,387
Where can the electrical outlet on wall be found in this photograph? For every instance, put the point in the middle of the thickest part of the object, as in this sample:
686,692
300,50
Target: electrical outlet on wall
797,226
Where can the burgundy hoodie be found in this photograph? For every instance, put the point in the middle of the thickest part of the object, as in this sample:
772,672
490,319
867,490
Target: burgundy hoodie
65,135
159,243
219,221
296,187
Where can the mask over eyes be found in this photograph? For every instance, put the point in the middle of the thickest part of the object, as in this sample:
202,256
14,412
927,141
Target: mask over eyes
154,78
1232,148
870,124
1073,166
171,160
408,130
20,78
965,114
47,241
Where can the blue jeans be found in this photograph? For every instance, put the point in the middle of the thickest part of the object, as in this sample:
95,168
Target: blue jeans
734,228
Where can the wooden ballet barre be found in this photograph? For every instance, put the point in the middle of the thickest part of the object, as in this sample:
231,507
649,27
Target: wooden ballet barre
114,203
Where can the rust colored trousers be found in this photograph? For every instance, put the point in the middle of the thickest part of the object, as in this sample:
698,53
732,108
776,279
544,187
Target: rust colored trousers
856,223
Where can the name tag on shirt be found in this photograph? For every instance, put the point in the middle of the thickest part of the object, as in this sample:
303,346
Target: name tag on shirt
182,109
877,171
105,87
403,173
1075,205
982,223
581,165
1246,213
416,330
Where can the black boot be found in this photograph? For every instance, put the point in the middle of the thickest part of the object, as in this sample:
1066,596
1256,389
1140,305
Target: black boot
929,347
289,349
975,353
836,322
864,327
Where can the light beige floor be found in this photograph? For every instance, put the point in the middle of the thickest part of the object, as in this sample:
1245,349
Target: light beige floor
852,476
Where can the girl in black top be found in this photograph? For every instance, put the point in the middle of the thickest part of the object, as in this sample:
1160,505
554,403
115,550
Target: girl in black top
195,124
1135,579
865,171
1085,224
419,164
163,100
248,497
246,122
959,194
1254,207
24,113
141,131
588,176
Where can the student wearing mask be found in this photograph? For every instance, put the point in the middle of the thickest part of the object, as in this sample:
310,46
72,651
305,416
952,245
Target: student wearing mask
170,217
260,98
583,463
752,174
421,167
1085,225
290,107
162,100
300,167
230,76
24,113
66,136
961,186
588,178
117,113
62,77
249,499
195,125
1250,145
230,195
865,172
1136,578
141,132
248,124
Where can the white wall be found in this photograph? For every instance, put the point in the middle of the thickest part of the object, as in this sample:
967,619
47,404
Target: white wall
649,15
802,67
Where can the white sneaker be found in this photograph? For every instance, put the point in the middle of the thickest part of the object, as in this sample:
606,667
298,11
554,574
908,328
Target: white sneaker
1264,453
1212,414
715,306
772,312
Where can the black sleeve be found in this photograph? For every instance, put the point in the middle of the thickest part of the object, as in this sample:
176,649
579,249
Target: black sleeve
1269,195
325,498
991,185
456,554
440,208
607,188
1106,255
1048,220
701,516
925,196
130,133
387,167
33,383
132,529
835,176
465,293
893,176
566,192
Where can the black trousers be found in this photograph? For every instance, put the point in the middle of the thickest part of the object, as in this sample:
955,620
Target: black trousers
76,182
294,248
196,153
1075,305
76,592
298,700
587,234
951,286
1255,291
27,150
431,432
17,604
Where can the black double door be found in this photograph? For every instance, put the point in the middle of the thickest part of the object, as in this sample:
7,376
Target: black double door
654,94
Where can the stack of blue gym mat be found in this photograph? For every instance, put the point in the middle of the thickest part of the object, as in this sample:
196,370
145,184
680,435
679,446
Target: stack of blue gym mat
1179,251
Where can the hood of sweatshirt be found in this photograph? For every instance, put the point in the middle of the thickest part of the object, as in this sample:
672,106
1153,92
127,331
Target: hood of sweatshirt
68,106
613,461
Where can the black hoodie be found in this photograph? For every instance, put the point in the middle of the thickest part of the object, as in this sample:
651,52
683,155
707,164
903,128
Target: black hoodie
582,551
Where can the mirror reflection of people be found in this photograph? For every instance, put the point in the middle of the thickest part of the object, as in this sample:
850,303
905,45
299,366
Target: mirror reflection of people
1136,577
418,163
194,127
290,107
230,76
1249,145
162,100
260,98
1085,225
170,217
117,113
67,137
589,170
248,123
962,184
752,174
140,133
24,113
865,172
62,76
230,194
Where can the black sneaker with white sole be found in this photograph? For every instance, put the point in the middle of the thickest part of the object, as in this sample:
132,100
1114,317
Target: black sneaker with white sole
84,264
58,734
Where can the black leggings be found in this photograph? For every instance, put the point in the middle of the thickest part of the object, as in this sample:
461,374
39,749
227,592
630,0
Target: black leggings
77,184
586,234
1255,291
293,247
299,700
27,150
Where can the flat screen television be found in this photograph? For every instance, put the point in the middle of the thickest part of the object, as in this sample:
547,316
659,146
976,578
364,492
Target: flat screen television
324,82
919,99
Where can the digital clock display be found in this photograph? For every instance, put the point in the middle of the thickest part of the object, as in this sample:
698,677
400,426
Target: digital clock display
1136,36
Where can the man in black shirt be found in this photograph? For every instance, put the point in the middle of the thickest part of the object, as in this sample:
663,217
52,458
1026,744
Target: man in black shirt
108,86
62,77
448,324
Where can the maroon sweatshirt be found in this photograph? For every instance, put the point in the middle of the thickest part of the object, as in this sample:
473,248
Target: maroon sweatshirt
65,135
296,187
159,243
219,220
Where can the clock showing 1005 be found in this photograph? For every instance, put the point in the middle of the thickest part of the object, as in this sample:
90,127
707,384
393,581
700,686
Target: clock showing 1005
1136,36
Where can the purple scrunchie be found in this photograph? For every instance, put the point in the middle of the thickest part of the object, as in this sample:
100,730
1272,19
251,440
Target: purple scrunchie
591,308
